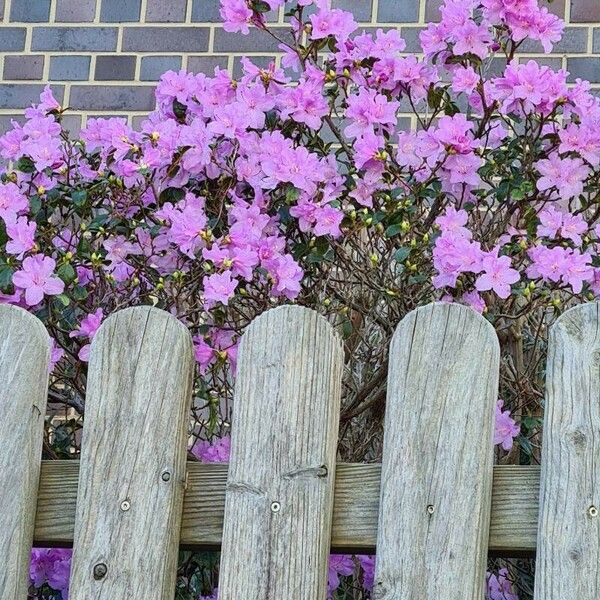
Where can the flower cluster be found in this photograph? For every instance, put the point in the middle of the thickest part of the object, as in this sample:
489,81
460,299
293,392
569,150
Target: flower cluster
299,182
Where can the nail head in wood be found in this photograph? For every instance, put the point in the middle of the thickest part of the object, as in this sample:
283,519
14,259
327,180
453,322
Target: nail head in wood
125,505
275,507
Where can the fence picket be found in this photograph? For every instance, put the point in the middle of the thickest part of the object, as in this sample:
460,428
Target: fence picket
24,356
569,524
279,498
129,501
437,457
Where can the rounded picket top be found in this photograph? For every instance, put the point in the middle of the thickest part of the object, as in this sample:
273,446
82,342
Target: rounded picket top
436,489
451,315
126,323
139,392
577,323
15,320
24,361
569,480
279,498
292,318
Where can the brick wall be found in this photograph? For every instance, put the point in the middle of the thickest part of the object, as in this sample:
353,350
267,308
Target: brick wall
102,57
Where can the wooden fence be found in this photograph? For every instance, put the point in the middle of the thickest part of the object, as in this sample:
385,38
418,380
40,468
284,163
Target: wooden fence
434,508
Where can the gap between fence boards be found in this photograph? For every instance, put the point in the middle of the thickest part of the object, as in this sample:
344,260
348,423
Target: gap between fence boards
513,529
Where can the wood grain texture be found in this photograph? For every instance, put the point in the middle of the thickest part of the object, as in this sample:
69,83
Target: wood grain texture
437,464
24,356
279,499
513,527
138,401
569,526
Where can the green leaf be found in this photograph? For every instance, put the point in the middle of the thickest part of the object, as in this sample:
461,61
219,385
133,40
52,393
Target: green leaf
79,293
25,165
261,7
67,273
401,254
6,274
171,194
35,204
63,299
79,197
393,230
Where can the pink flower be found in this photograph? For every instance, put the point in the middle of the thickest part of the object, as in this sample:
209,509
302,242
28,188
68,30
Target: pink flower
36,277
567,175
339,565
288,275
335,22
465,79
56,353
219,288
471,38
462,168
304,103
368,108
550,222
88,328
217,451
454,221
368,566
328,221
505,429
52,567
204,354
497,275
12,201
236,16
22,236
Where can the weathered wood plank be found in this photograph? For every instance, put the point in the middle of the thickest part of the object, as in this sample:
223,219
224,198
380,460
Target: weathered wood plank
24,356
129,503
437,456
513,527
279,499
569,526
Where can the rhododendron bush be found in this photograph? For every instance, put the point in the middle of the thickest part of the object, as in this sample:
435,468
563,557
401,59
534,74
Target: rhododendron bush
296,183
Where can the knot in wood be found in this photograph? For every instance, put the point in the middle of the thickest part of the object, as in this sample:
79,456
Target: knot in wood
100,571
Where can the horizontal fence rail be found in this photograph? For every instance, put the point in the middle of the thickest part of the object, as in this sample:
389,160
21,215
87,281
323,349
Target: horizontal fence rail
513,527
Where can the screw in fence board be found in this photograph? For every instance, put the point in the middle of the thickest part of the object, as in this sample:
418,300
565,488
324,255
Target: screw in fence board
436,479
279,498
128,517
569,526
24,359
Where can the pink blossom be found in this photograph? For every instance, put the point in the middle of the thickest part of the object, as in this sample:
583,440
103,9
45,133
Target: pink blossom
12,201
465,79
567,175
21,232
339,565
497,275
288,275
335,22
217,451
505,429
236,16
36,277
52,567
471,38
328,221
219,287
88,328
